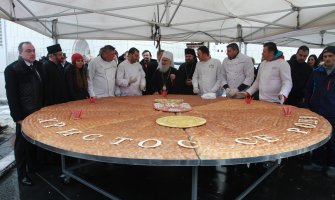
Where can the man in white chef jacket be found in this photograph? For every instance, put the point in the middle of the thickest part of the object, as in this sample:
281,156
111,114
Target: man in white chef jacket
102,73
238,71
130,75
274,80
207,77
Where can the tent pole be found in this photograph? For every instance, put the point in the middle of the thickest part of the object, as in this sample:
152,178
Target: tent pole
273,23
239,35
167,8
54,31
245,48
322,33
174,13
7,14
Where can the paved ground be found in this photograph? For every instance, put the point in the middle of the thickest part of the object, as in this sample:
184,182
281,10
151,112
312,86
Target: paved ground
9,189
288,182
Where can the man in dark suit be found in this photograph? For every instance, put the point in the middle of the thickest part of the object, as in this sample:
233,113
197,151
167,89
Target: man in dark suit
24,89
149,67
300,73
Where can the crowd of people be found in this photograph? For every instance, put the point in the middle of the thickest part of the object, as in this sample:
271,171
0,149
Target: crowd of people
31,85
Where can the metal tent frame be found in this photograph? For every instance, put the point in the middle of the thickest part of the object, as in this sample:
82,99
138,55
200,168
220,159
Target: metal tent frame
177,20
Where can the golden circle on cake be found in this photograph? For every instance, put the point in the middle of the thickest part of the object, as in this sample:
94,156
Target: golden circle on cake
180,121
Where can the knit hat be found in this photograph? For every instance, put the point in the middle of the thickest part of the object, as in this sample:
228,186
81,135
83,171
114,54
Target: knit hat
330,49
75,57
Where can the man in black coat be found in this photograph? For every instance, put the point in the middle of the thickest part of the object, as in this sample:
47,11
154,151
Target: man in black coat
55,84
149,66
25,94
185,72
300,72
64,63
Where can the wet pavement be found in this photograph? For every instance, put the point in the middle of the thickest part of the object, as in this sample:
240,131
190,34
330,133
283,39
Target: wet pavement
288,182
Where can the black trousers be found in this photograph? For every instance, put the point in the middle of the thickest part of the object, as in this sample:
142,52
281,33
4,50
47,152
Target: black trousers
24,154
325,155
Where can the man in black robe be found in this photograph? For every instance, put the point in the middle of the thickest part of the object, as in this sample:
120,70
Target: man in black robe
185,72
149,66
55,84
164,78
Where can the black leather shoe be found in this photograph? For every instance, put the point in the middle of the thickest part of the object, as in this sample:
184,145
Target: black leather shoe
26,181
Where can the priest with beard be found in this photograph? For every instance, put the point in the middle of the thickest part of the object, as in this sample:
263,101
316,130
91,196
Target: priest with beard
55,89
55,92
164,78
185,73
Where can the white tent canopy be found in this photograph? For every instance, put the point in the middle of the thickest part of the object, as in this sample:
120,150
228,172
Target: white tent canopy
316,37
288,22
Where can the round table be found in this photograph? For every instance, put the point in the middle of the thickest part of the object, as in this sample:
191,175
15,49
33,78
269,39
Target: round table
231,124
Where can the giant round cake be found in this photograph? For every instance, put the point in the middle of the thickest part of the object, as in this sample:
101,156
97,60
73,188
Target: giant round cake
124,130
